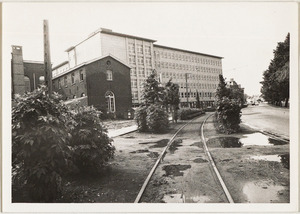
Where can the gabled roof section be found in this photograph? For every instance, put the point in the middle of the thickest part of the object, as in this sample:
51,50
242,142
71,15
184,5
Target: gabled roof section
187,51
91,61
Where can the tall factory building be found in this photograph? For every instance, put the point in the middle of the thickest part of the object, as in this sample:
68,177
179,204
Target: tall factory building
194,72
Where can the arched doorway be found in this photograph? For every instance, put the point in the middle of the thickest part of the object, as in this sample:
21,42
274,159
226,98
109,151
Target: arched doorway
110,101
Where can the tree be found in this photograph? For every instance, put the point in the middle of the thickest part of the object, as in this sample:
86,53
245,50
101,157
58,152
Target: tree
151,116
172,98
228,112
153,92
275,84
222,90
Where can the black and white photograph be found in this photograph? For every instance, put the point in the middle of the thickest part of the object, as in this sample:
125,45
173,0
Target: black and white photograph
150,106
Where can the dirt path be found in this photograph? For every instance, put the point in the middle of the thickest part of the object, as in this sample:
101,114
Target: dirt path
135,155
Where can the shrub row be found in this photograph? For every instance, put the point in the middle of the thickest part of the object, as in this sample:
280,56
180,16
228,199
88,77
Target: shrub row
187,114
152,118
50,141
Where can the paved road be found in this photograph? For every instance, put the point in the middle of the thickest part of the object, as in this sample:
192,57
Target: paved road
267,118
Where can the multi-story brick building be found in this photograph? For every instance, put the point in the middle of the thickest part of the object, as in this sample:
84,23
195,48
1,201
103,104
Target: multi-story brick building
104,81
193,71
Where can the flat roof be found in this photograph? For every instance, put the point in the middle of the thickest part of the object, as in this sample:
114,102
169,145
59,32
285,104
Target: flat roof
187,51
60,64
33,61
108,31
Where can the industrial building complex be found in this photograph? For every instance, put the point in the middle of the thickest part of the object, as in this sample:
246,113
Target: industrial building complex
124,61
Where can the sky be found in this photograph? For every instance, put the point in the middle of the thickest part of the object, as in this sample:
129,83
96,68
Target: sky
245,34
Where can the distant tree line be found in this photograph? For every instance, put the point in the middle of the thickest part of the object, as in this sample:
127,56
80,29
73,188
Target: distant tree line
275,84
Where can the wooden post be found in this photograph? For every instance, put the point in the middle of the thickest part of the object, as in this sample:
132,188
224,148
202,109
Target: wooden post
47,58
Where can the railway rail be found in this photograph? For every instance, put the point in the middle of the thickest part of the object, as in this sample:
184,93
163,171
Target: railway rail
211,162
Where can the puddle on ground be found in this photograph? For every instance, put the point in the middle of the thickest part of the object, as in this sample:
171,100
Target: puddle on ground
200,160
140,151
174,146
196,144
259,139
158,144
173,198
175,170
230,142
253,139
284,159
197,199
263,192
129,136
153,154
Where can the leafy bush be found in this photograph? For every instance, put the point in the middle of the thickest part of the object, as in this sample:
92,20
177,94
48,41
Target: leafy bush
188,113
91,146
40,155
157,118
228,115
140,117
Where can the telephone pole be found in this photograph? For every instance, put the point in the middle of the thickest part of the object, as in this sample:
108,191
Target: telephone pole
187,91
47,58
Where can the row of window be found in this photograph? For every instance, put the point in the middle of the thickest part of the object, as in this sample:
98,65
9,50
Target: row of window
141,73
189,77
59,70
188,58
198,85
139,48
194,94
186,67
140,60
74,75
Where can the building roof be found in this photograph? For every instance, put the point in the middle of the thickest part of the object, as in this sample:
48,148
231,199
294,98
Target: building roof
89,62
109,31
61,64
187,51
32,61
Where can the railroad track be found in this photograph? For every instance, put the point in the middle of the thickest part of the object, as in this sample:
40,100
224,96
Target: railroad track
211,162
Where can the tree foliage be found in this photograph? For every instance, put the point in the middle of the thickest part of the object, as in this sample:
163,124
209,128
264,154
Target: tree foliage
151,115
171,98
49,139
91,146
275,84
153,92
40,135
229,102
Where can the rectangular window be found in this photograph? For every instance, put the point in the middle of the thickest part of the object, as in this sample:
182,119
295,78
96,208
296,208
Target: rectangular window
65,81
133,72
141,72
109,75
81,75
140,60
59,83
73,77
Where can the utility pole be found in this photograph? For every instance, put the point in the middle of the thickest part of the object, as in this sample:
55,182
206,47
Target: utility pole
47,58
186,86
